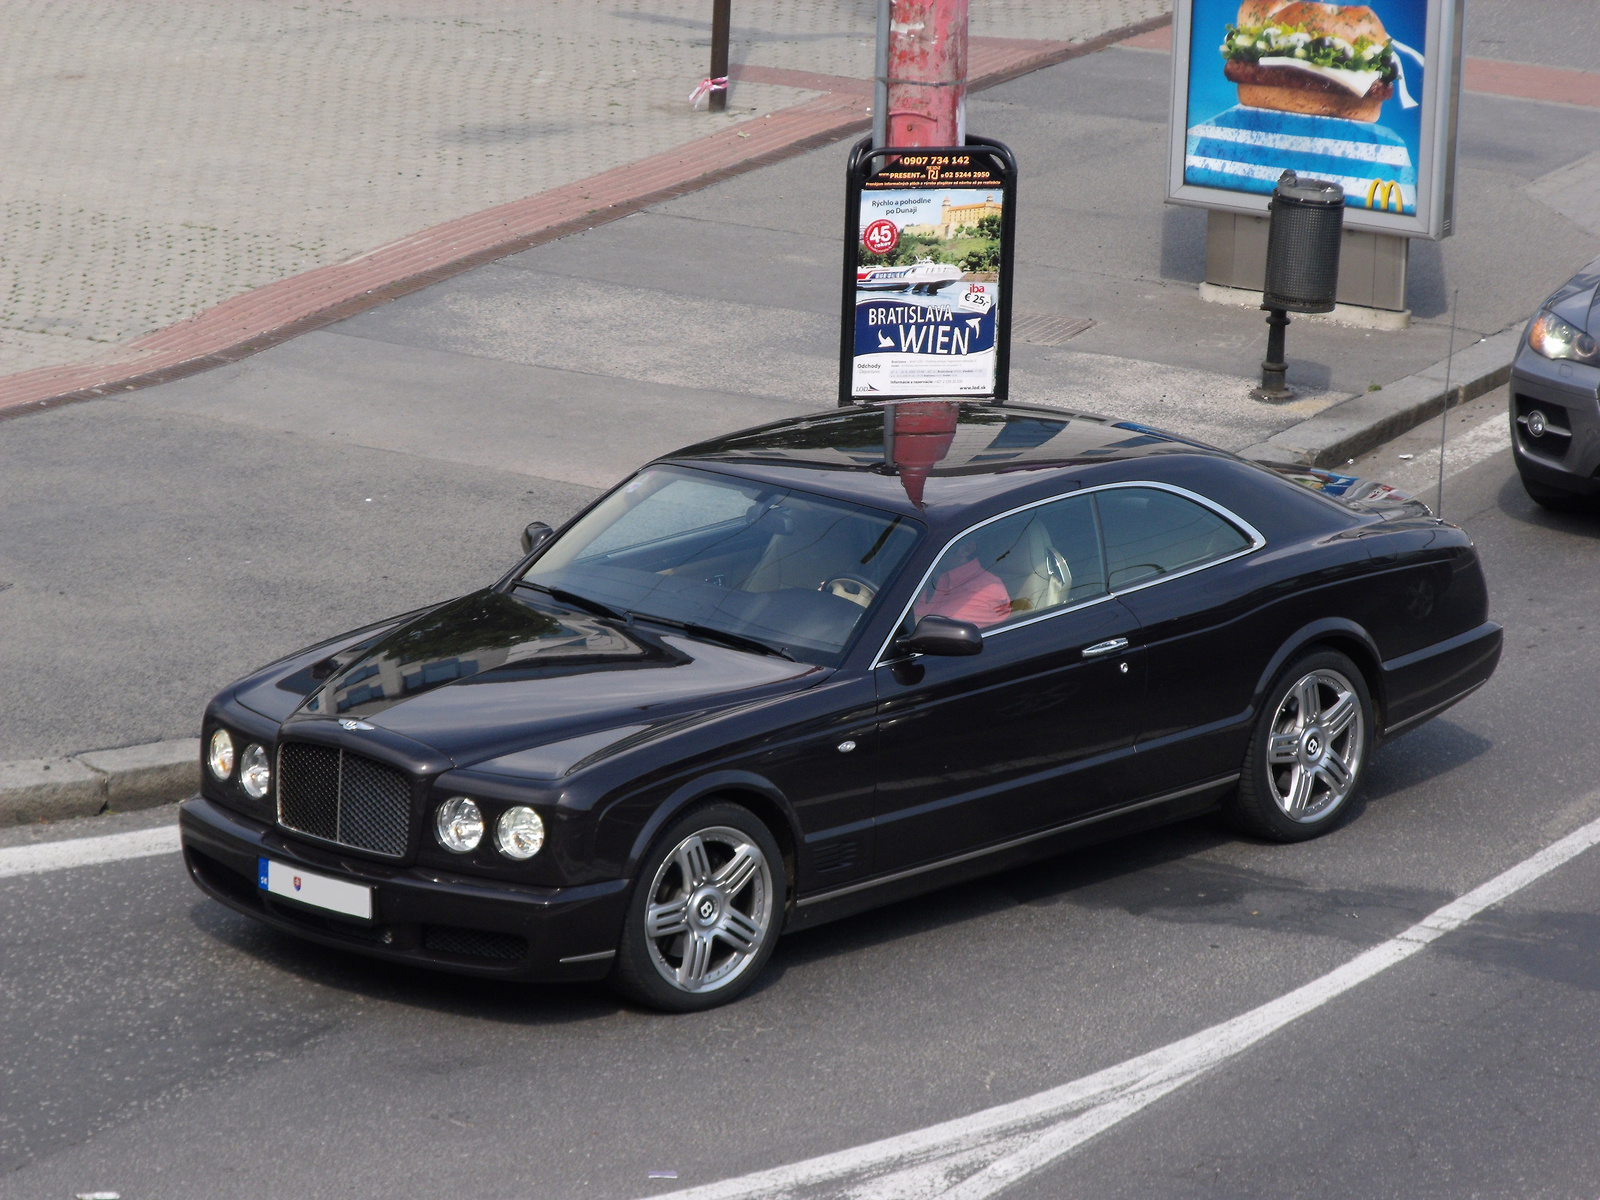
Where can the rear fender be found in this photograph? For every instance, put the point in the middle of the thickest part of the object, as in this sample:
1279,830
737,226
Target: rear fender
1339,634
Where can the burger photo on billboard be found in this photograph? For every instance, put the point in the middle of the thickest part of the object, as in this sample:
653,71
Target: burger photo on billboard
1324,60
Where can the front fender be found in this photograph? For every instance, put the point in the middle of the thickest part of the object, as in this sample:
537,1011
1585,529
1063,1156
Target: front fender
621,820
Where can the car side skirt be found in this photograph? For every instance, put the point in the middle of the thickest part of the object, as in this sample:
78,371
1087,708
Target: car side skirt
821,907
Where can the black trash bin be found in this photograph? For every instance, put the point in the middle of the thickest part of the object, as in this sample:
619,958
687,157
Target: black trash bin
1303,245
1302,265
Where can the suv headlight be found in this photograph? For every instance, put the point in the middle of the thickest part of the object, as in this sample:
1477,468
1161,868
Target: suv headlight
1555,338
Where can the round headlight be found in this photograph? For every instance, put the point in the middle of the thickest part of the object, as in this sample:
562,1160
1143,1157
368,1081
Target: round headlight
519,833
255,773
458,825
220,755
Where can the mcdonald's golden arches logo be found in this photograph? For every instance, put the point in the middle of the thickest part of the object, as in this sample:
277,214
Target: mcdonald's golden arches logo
1389,190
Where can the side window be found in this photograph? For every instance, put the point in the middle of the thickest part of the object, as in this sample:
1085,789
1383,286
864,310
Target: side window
1029,563
1149,533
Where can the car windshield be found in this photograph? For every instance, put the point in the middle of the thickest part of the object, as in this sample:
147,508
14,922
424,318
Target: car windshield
761,566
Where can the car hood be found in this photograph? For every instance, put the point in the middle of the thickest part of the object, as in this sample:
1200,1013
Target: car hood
491,674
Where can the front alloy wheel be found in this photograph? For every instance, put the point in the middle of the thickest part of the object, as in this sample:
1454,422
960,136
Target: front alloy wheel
1310,745
706,914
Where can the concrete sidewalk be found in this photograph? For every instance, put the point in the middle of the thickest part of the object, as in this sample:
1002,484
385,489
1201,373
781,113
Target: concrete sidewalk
801,55
163,159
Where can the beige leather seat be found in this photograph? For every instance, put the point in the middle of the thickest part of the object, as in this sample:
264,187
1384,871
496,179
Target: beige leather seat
1034,572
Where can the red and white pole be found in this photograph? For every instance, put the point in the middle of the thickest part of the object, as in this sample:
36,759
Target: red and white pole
925,72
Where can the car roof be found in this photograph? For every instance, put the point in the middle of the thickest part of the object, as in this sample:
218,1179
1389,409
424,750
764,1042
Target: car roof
936,459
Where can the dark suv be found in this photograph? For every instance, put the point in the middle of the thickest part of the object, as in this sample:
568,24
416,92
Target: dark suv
1555,397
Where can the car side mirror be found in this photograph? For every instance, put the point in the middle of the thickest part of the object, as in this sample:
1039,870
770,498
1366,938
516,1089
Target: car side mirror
944,636
536,535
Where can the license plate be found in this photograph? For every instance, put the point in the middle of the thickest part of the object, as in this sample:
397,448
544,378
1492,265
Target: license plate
319,891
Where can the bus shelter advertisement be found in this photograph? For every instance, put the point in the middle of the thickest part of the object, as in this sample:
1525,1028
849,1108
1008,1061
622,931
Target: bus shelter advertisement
927,291
1326,90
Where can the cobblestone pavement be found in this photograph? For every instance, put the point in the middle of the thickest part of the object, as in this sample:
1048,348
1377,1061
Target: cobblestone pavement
164,157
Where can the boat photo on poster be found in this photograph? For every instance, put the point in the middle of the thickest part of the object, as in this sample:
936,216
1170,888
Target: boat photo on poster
927,291
1326,90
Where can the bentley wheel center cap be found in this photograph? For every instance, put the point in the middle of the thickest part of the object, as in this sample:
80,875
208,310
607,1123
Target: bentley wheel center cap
1313,745
705,909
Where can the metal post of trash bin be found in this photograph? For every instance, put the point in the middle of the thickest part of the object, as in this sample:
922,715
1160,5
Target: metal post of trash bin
1302,266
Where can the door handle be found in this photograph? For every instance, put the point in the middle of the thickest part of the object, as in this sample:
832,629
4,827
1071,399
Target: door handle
1111,647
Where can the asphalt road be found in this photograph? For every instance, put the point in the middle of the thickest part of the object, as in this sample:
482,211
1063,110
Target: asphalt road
156,1045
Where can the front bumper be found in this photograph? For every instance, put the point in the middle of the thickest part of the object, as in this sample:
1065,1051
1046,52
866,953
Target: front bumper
420,915
1567,455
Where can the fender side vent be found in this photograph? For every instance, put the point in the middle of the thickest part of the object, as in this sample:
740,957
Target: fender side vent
838,855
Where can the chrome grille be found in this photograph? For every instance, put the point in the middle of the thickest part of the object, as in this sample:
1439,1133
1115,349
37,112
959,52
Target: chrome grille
374,806
308,789
344,798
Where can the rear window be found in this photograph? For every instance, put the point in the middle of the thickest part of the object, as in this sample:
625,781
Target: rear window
1149,533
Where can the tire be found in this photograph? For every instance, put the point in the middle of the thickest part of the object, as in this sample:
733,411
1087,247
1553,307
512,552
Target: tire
1557,500
1299,774
705,912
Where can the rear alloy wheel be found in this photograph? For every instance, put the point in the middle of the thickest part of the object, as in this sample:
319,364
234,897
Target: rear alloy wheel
1311,744
705,912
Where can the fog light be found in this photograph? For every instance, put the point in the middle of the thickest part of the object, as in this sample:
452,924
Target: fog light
255,774
458,825
220,756
1536,423
519,833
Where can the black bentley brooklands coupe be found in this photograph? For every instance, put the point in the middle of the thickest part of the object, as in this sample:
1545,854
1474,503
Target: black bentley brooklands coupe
821,665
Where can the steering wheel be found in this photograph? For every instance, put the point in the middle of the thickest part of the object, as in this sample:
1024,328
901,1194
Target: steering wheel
852,588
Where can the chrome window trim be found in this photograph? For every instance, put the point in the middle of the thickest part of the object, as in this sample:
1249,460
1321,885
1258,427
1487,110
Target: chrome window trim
1257,541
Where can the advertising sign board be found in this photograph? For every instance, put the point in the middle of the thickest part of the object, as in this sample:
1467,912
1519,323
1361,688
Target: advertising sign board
1364,95
927,272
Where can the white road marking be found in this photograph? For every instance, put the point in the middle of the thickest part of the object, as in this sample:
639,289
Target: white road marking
981,1155
83,852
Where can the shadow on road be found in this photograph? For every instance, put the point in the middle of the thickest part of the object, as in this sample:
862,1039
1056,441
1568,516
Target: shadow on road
1513,501
403,984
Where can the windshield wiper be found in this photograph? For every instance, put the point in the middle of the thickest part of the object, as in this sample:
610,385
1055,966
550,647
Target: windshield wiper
711,633
576,601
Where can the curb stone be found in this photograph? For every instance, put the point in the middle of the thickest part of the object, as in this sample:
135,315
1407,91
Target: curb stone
1366,421
96,781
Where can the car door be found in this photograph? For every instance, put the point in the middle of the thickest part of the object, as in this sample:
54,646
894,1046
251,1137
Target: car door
1182,566
1034,730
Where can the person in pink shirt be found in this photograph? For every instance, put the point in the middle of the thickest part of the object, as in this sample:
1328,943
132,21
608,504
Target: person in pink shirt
964,591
